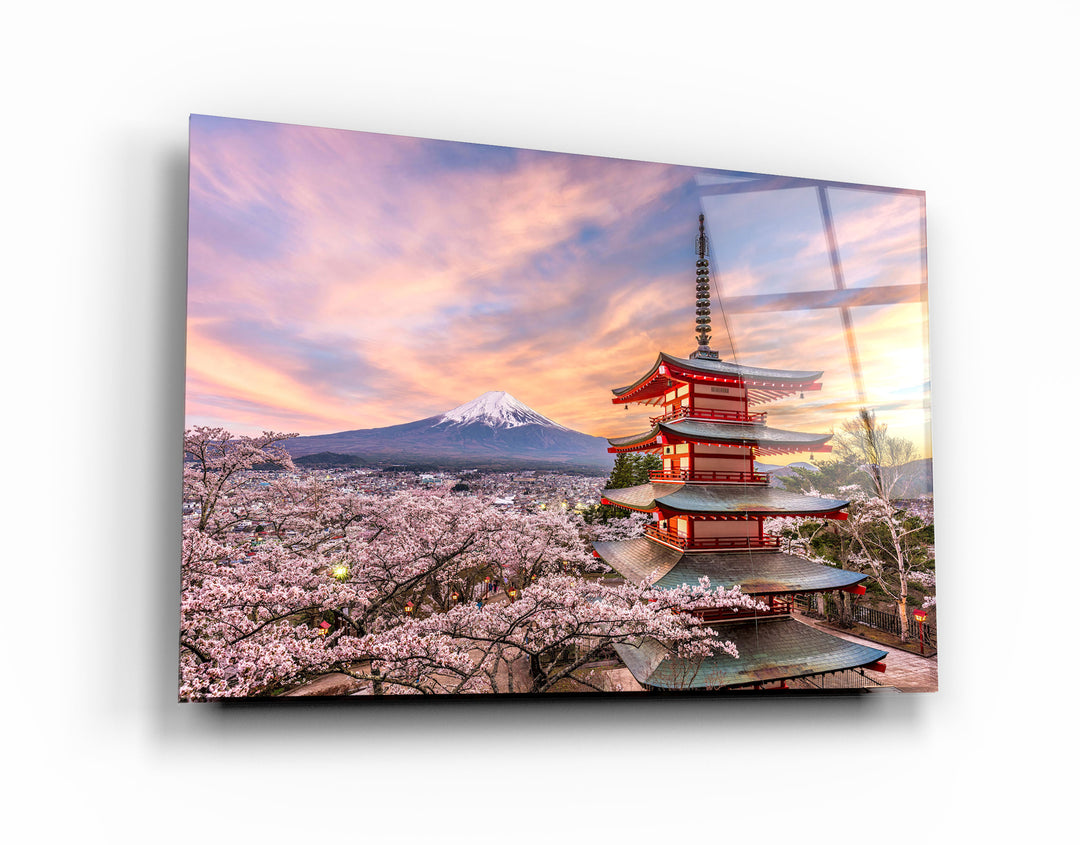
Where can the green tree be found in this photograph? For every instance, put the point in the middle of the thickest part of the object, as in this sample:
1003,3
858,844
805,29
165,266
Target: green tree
889,539
865,443
826,477
623,473
630,470
643,465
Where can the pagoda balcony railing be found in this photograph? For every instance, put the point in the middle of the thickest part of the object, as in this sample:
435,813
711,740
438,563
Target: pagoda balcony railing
665,535
673,538
777,606
710,414
708,475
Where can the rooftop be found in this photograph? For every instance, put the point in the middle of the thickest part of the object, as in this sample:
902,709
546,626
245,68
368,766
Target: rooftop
720,499
769,650
719,432
752,376
755,572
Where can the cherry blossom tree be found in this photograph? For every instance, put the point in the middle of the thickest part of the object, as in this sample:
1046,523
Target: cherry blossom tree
628,525
390,589
557,626
214,467
928,580
883,536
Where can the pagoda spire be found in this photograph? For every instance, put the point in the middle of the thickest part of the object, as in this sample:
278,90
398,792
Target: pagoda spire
704,315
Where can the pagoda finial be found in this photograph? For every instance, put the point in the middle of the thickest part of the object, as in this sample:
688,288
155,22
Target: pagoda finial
704,319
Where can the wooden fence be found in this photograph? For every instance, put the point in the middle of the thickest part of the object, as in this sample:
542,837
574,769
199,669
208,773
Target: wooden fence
871,617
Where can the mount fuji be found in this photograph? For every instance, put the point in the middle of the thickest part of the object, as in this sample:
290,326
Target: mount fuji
492,429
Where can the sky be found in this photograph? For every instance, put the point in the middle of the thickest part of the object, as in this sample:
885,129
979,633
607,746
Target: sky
341,280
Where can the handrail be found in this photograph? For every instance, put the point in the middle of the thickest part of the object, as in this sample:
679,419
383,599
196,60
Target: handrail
710,614
708,475
766,542
672,538
710,414
665,536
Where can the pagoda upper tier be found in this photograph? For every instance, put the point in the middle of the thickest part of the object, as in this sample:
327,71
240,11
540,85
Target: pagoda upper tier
735,500
761,384
767,441
756,573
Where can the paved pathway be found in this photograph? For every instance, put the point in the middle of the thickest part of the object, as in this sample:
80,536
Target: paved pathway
906,671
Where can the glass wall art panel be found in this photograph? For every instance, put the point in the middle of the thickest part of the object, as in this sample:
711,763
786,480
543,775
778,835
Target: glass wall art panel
466,420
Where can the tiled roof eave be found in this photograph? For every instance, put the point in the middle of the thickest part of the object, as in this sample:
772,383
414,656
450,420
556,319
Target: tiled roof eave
757,572
735,500
769,651
753,376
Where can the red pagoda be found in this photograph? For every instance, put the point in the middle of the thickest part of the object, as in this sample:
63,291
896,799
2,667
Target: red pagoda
710,505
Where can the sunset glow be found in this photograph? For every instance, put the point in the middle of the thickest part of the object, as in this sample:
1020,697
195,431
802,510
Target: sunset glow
343,280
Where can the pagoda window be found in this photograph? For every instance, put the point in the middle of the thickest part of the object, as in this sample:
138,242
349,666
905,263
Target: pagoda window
723,463
719,391
709,529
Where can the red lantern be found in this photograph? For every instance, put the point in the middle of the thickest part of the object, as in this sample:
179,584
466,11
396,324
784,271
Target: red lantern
408,607
920,617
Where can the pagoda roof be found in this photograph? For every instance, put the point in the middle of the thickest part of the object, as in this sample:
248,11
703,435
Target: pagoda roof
769,650
749,500
751,376
759,572
745,434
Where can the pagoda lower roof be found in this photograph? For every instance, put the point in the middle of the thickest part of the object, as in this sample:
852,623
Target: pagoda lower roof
751,376
739,434
708,499
769,650
763,572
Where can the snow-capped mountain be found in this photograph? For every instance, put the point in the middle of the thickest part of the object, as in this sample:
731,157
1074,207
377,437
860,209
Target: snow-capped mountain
494,426
498,409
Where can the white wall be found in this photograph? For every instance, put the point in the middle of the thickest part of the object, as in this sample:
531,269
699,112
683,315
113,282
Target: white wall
972,102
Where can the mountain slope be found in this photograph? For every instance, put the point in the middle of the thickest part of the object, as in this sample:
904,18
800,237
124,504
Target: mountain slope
495,425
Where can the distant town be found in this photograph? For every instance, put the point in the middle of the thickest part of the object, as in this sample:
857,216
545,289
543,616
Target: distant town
524,491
